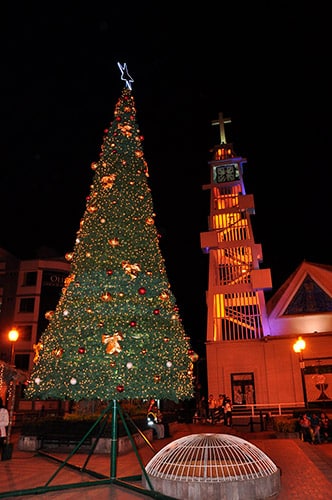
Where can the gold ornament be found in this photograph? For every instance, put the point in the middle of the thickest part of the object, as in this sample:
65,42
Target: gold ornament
194,357
146,168
112,342
114,242
125,129
49,315
92,209
150,221
37,348
58,352
106,297
131,269
108,181
69,279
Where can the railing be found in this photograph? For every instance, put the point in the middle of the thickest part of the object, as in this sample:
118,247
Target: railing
271,409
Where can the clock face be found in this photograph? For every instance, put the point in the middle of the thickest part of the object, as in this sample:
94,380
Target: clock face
226,173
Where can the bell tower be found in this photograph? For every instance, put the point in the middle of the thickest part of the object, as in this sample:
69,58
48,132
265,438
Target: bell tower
236,308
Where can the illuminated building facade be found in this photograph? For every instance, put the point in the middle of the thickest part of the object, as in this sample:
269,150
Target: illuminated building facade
249,342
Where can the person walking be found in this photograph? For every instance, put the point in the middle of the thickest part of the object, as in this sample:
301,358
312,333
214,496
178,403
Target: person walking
4,422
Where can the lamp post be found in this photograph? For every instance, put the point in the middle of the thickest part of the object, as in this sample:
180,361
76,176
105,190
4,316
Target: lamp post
13,336
299,347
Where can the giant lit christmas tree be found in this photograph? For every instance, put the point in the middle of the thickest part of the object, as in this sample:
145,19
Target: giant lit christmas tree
116,332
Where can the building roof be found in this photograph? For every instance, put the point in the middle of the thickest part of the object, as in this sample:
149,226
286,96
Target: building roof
307,290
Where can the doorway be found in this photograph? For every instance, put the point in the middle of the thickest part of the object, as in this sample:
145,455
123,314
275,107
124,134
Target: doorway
243,388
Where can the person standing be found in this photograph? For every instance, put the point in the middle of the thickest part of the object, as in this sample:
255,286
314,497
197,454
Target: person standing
202,410
306,428
325,426
315,423
212,406
228,412
220,407
4,422
154,420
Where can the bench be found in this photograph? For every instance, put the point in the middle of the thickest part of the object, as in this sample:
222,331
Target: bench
52,440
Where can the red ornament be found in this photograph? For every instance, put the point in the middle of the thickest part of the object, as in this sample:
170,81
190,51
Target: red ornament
118,118
109,272
120,388
142,291
190,352
106,130
81,350
132,323
156,312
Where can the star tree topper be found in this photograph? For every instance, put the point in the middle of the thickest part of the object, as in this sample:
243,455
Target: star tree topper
125,75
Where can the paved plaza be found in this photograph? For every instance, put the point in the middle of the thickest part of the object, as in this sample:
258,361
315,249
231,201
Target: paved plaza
306,470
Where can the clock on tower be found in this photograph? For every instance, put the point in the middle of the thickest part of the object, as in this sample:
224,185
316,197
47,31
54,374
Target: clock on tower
226,173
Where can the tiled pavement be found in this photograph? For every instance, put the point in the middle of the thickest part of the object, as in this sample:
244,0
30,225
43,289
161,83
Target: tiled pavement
306,470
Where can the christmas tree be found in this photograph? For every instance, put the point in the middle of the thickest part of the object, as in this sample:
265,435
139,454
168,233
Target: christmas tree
116,332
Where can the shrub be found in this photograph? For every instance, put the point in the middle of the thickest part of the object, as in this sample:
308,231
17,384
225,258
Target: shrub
285,424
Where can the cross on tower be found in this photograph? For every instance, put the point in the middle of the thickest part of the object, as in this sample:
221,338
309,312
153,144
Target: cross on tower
221,122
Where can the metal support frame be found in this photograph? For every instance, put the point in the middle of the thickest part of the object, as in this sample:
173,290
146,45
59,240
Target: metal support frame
125,482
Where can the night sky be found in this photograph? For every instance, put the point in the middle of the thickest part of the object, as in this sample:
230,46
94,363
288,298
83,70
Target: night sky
267,68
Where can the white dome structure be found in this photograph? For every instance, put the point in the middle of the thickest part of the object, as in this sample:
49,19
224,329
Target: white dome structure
217,466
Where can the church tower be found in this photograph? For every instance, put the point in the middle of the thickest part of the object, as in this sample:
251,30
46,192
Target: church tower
236,308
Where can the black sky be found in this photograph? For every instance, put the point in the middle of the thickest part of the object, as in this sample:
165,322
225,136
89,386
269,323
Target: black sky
268,68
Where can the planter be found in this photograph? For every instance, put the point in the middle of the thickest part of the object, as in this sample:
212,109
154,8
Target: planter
29,443
123,443
33,443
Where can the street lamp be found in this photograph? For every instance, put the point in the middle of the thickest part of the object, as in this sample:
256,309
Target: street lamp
299,347
13,336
